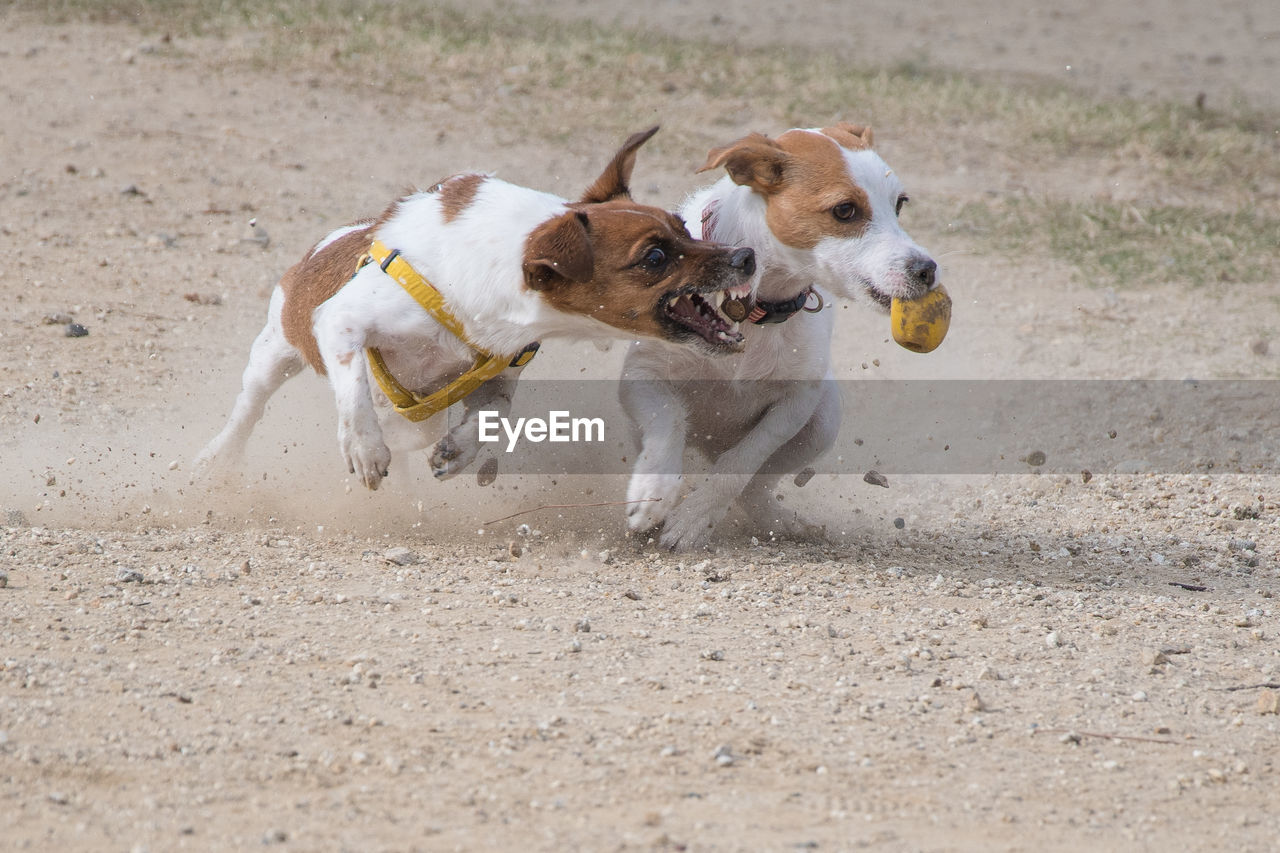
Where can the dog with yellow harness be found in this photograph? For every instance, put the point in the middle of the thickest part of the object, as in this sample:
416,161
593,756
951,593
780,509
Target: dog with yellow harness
445,296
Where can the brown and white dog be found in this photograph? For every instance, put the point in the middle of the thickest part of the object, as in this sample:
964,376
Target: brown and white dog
821,210
513,265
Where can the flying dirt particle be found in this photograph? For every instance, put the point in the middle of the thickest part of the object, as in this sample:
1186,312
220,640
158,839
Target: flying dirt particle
488,472
1111,433
804,477
1086,475
203,298
75,330
875,478
1035,458
899,523
57,318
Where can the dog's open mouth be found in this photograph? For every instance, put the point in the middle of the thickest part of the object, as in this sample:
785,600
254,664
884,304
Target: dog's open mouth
714,316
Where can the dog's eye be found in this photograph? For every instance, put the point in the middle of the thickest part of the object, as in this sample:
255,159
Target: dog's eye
844,211
902,200
654,258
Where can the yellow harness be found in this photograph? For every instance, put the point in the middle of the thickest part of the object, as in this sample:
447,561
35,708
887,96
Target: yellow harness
487,365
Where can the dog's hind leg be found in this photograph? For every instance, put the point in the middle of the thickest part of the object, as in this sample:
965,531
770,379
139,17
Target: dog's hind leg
272,360
769,516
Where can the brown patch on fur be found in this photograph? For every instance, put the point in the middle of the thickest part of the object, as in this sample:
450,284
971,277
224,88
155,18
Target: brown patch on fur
855,137
803,177
558,248
623,291
310,282
457,193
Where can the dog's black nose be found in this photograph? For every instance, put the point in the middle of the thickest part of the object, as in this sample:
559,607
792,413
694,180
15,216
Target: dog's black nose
923,270
745,260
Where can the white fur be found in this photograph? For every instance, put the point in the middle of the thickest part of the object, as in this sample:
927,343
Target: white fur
755,432
475,261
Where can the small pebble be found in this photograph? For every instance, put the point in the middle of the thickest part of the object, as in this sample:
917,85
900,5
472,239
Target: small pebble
1154,657
899,523
1086,475
1052,640
1036,458
875,478
1269,702
4,579
75,330
400,556
124,575
804,477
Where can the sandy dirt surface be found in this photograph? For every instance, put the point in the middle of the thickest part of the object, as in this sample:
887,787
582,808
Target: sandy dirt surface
1013,663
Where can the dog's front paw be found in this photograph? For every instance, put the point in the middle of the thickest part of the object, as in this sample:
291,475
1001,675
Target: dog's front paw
453,453
689,528
369,462
650,497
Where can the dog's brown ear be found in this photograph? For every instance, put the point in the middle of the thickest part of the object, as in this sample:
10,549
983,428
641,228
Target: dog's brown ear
754,161
615,180
855,137
557,250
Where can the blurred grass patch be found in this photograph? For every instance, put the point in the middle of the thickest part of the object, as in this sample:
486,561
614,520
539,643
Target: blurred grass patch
1215,175
1123,244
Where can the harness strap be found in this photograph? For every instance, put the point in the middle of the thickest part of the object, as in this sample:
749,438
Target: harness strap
419,407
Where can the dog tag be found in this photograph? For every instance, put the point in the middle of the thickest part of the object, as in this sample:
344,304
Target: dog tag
734,309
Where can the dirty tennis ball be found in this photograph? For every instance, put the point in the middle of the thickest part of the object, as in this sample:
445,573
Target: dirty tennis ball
920,324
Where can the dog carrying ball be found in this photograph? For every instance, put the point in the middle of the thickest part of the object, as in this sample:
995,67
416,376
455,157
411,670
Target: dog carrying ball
920,324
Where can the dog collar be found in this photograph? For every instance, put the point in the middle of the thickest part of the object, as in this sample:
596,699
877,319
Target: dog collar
419,407
764,313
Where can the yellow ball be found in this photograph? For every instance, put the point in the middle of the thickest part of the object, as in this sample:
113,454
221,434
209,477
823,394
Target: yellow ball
920,324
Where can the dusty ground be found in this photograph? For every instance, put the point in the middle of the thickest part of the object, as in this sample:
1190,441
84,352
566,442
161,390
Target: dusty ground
289,663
